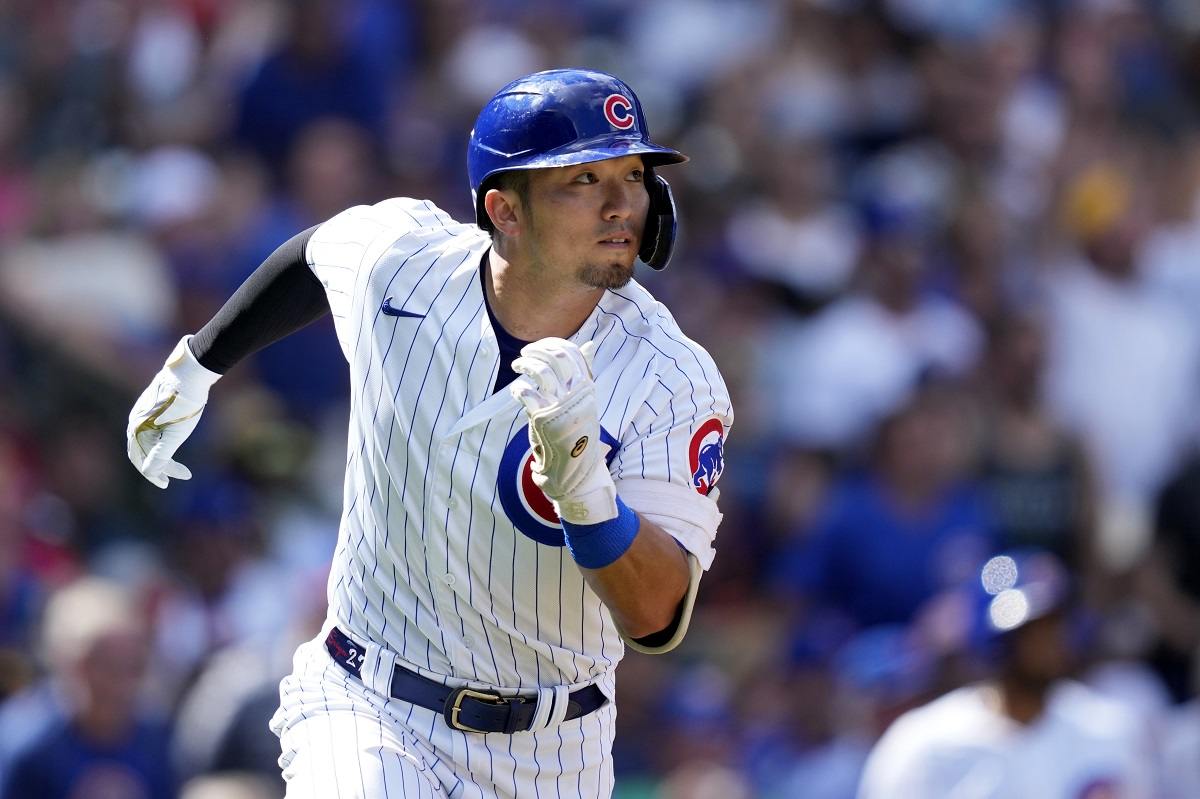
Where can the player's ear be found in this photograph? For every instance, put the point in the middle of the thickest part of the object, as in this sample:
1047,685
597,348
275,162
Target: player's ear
503,208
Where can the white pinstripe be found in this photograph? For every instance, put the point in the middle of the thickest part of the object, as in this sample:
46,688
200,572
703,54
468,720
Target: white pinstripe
429,564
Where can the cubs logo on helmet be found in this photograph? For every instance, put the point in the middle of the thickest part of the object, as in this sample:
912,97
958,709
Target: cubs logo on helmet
526,506
618,110
706,455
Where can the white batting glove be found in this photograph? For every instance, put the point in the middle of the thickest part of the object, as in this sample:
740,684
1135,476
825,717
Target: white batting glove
166,414
554,383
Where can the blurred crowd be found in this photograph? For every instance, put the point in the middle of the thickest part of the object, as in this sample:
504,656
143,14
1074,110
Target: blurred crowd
946,253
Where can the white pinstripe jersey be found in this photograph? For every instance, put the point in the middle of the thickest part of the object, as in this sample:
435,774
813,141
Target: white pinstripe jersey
447,554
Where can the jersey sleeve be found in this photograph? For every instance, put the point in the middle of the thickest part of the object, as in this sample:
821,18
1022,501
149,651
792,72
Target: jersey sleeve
672,450
342,250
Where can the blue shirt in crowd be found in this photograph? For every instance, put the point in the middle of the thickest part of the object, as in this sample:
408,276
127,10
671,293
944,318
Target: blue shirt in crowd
62,764
879,563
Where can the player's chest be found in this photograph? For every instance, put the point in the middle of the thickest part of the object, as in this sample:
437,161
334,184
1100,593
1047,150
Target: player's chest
1037,764
445,393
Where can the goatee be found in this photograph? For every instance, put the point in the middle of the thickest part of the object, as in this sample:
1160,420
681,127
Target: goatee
608,276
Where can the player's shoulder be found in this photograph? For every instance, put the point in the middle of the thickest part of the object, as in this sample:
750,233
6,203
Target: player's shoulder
924,748
636,313
395,218
947,718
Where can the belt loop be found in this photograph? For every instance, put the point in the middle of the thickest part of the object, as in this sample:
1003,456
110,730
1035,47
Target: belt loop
377,669
561,702
543,709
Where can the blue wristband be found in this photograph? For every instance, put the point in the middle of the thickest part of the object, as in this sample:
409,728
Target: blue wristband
594,546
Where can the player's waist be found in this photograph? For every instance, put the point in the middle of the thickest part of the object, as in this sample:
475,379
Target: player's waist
465,708
450,639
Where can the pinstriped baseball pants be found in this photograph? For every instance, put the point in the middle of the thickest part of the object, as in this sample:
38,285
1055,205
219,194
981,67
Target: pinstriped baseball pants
343,740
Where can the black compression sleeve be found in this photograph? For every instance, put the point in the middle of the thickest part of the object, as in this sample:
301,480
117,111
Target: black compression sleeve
280,297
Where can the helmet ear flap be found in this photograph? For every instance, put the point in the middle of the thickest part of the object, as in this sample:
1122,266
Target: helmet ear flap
658,237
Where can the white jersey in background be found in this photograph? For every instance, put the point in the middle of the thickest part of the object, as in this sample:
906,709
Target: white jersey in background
960,747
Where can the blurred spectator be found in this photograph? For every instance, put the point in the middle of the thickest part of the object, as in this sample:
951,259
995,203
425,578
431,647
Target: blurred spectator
225,591
122,299
795,490
25,719
795,235
21,589
860,359
698,751
1036,474
980,267
1169,577
222,721
1169,254
911,525
709,38
880,673
318,71
1127,395
104,743
329,170
16,189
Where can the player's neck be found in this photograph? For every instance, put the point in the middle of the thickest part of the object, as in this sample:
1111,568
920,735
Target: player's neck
530,307
1022,701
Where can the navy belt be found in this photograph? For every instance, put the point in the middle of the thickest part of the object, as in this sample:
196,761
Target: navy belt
463,708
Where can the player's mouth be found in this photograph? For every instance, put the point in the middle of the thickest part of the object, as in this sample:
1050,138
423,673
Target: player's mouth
617,242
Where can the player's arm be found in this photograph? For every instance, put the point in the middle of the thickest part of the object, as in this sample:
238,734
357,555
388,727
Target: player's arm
635,566
645,586
281,296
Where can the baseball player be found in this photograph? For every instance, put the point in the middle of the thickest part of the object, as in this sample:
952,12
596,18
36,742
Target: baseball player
533,451
1028,734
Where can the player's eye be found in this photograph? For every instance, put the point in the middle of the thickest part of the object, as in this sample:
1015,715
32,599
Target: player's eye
636,175
586,177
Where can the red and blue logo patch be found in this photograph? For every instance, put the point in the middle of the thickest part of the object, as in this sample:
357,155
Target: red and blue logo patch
706,455
618,110
526,506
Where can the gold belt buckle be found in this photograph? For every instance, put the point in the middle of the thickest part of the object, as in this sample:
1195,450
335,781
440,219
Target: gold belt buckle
454,707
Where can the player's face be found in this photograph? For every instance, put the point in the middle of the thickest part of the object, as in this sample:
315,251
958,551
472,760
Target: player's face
1040,650
586,221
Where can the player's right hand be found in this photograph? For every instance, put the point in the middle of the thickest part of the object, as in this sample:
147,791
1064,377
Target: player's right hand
554,384
166,414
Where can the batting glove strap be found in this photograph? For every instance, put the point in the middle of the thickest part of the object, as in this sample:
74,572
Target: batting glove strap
193,377
594,502
594,546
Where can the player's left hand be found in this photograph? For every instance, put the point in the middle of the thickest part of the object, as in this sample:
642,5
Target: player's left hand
555,386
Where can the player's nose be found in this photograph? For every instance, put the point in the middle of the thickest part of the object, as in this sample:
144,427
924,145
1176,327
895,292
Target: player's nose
619,200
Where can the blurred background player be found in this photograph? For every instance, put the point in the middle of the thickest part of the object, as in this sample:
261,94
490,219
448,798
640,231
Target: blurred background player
1029,731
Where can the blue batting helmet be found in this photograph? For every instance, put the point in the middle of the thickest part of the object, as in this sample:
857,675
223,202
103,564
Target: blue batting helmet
564,117
1015,588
